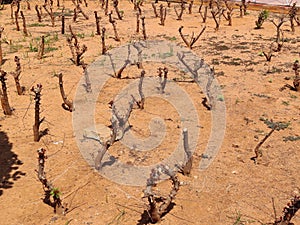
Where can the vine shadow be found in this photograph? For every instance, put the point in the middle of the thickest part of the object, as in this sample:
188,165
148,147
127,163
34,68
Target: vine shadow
9,169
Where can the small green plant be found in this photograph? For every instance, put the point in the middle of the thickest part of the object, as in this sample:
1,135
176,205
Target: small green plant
220,98
286,103
262,16
273,126
32,48
50,49
291,138
37,25
171,38
55,37
49,189
14,48
80,35
55,193
49,38
238,220
261,95
116,219
167,54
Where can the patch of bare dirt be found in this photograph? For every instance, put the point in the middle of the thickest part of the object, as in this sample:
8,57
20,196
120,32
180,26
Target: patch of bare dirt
233,190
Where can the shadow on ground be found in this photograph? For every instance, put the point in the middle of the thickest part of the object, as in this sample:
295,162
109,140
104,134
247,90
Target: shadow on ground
9,164
146,218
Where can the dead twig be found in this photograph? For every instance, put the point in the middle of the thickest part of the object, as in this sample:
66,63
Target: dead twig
24,24
193,39
154,9
119,14
180,13
293,16
49,189
187,165
126,63
4,98
140,89
97,18
38,13
144,28
204,15
41,48
106,7
289,212
244,6
229,12
273,126
1,55
139,62
50,13
156,211
120,71
78,10
87,85
193,71
217,14
137,22
191,6
163,14
37,121
113,23
211,77
62,24
76,50
17,21
28,5
16,75
118,122
257,151
163,76
296,81
281,21
67,104
104,49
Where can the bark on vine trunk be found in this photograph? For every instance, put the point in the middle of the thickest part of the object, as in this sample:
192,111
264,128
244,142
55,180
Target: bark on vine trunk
37,98
67,104
4,98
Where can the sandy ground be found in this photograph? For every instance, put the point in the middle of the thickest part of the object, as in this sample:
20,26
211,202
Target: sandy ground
233,190
276,2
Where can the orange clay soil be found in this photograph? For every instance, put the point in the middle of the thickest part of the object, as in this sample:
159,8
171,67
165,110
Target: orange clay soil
233,190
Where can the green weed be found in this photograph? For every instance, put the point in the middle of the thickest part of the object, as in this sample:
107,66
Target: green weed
36,25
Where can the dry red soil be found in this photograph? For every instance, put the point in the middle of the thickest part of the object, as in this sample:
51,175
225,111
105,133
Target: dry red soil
232,190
